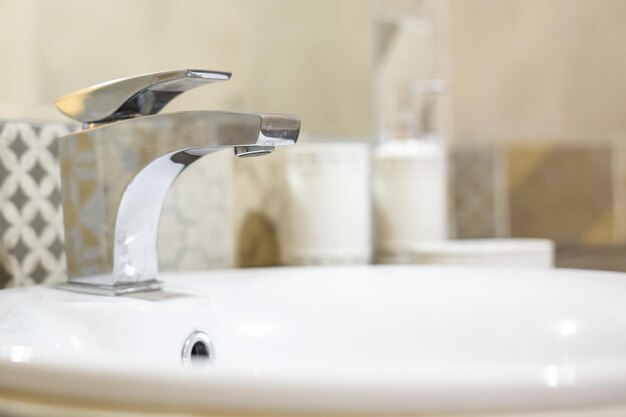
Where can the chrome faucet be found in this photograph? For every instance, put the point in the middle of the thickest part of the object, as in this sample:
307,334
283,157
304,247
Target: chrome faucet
116,172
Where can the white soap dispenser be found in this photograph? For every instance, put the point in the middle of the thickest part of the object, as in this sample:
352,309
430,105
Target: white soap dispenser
410,179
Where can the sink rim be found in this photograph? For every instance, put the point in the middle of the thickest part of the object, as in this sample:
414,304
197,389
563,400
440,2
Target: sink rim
599,382
152,388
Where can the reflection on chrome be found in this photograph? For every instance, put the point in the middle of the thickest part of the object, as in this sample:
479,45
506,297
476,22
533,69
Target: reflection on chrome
116,172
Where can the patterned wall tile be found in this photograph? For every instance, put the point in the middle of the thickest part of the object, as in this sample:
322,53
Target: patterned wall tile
198,223
561,192
84,207
259,209
473,196
224,212
31,228
196,230
195,227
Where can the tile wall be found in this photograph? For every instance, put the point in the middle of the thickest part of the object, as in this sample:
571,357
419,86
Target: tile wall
567,191
31,227
224,212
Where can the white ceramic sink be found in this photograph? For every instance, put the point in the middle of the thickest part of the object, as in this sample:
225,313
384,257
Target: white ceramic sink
393,339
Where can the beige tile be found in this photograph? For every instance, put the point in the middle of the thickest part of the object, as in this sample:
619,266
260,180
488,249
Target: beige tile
258,243
258,209
619,185
607,258
562,192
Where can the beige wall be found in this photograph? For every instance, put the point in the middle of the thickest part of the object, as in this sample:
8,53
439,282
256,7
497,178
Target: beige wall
538,69
517,69
305,57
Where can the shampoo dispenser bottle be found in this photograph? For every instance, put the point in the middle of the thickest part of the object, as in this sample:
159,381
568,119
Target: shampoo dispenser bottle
410,181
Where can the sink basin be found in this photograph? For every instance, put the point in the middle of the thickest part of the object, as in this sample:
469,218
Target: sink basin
379,339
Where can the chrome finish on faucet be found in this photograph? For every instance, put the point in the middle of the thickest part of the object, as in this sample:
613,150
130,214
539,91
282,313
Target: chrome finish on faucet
127,166
142,95
250,151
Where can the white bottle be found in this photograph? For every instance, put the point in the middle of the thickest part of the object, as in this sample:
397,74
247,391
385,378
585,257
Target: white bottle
410,197
328,219
410,187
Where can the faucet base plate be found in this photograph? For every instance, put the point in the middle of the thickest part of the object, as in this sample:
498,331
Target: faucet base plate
123,288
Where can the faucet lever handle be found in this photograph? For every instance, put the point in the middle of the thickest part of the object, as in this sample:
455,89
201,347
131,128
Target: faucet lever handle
133,97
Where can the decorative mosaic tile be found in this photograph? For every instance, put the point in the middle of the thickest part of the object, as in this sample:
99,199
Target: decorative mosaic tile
198,223
473,191
196,230
224,212
86,229
31,226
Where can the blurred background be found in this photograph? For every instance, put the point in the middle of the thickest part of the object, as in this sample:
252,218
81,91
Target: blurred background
530,95
536,69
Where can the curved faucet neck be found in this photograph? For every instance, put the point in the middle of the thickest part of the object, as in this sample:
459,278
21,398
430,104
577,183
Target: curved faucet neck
128,168
115,174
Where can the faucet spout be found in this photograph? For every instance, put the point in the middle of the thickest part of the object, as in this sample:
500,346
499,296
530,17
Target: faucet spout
115,177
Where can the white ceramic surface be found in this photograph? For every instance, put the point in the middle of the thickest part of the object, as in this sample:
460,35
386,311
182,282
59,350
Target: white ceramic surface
388,339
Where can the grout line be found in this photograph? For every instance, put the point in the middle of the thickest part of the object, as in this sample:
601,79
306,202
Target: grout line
619,196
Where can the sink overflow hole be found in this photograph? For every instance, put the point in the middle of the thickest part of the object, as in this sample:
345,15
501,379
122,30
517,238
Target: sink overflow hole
198,350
